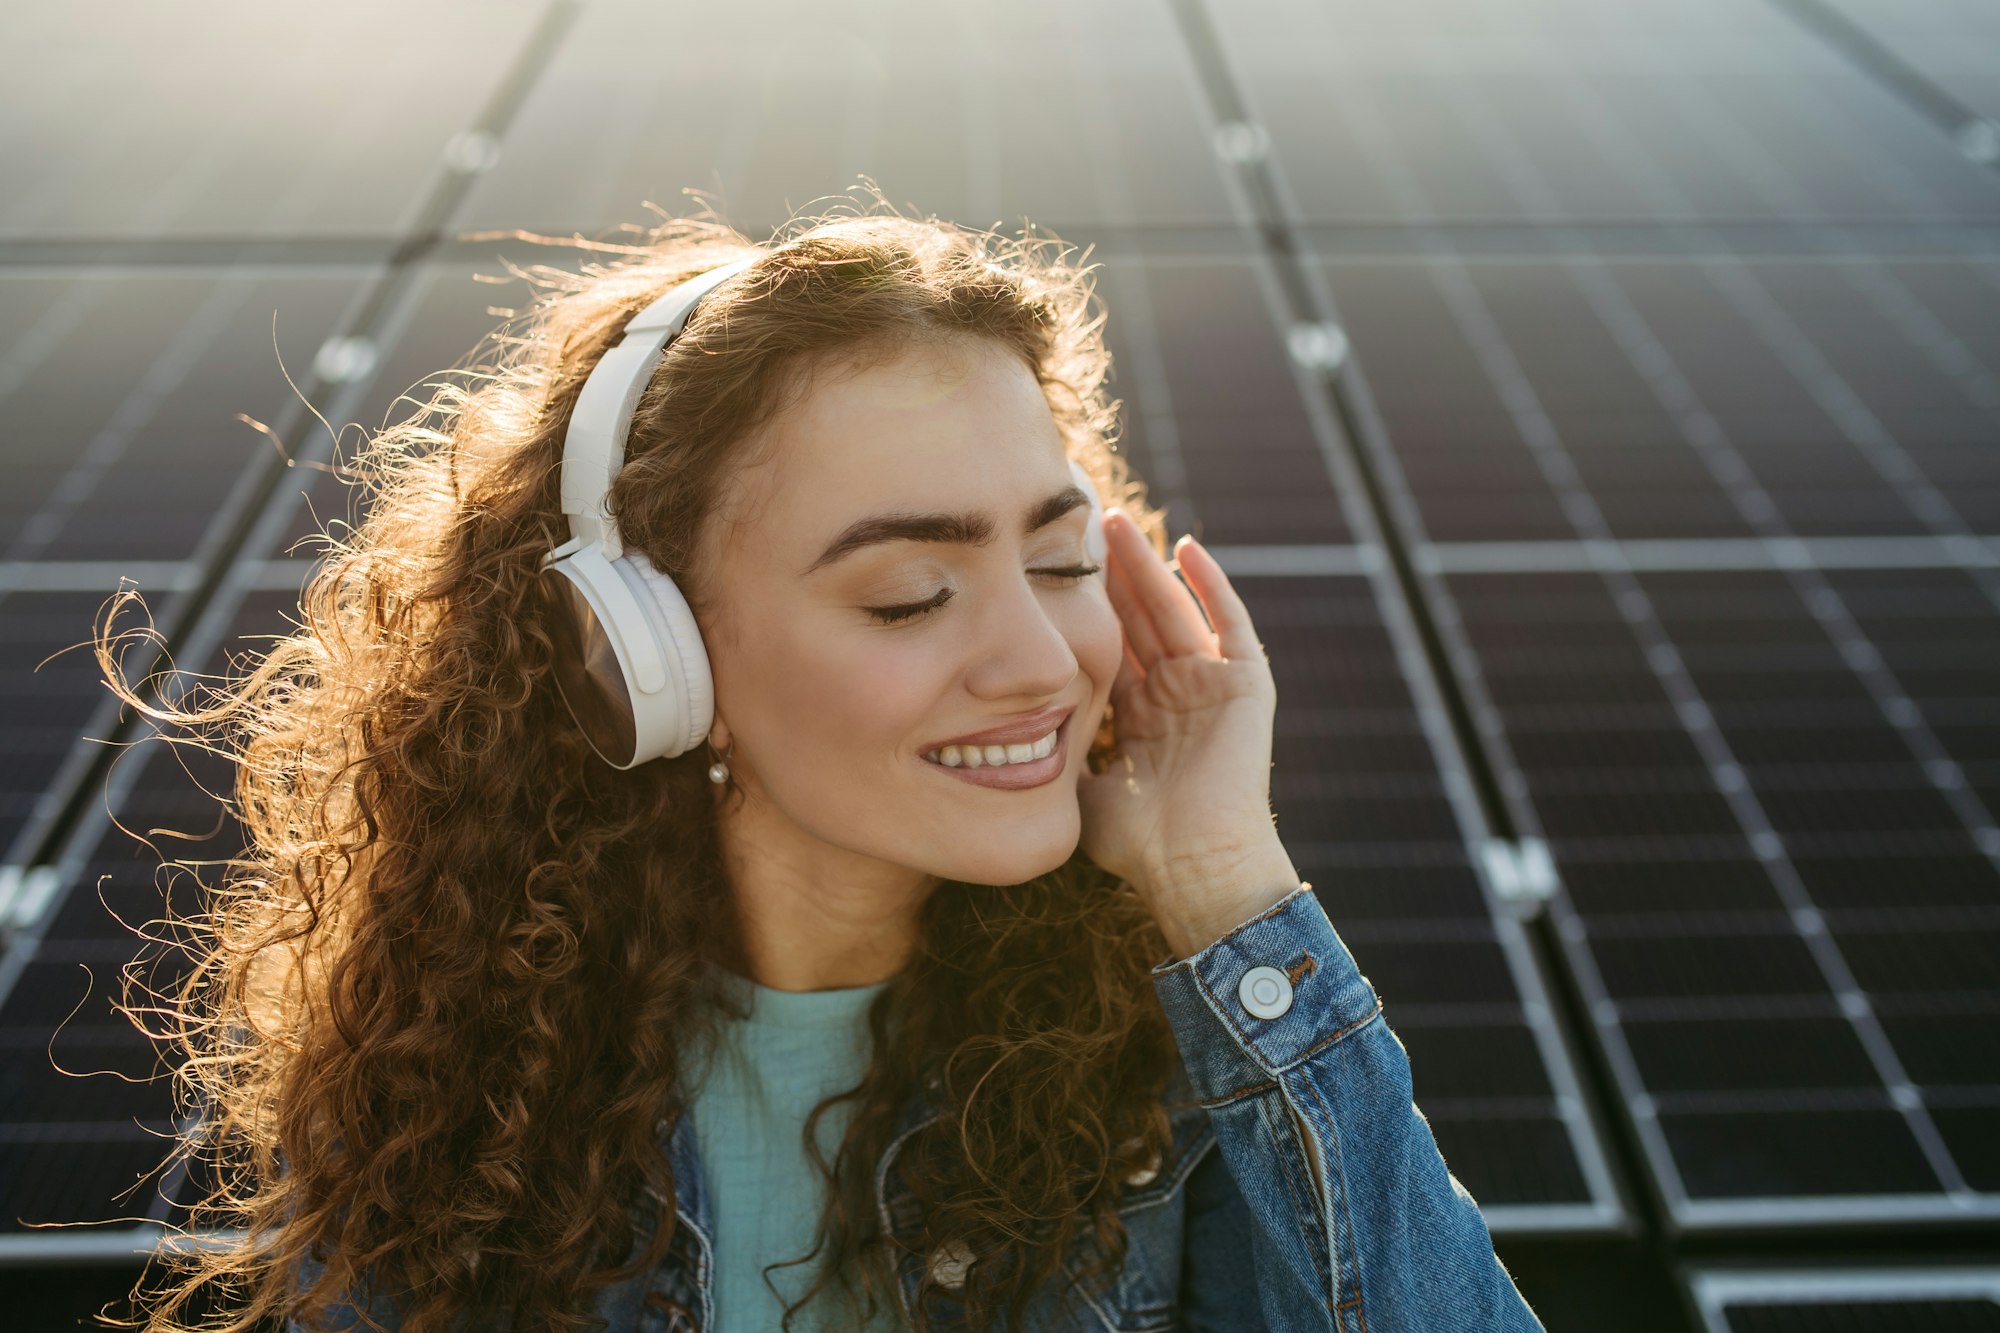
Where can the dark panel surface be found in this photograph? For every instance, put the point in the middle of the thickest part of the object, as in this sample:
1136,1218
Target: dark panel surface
85,1098
122,392
1062,114
1370,825
1461,113
238,119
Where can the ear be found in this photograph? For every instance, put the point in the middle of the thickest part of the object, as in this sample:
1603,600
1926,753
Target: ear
718,734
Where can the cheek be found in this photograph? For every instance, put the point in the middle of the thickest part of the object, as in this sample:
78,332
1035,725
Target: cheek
1099,644
849,693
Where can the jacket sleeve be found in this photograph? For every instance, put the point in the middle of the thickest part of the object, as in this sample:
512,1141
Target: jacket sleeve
1355,1222
352,1314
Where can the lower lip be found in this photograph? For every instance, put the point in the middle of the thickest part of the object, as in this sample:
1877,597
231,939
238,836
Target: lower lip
1013,777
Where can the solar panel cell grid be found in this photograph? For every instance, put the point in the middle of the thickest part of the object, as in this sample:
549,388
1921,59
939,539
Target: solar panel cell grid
1972,1133
1938,633
1470,473
75,1123
42,702
208,141
1062,115
122,390
1372,828
1725,1007
1946,43
1212,410
84,1072
1678,406
1799,1151
81,1180
1829,463
1604,111
121,443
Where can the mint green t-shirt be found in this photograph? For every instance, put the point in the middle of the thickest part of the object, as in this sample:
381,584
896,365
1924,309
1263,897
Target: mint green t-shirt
749,1106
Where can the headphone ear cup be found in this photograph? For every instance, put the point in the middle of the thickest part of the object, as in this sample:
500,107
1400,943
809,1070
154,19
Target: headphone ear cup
630,664
680,642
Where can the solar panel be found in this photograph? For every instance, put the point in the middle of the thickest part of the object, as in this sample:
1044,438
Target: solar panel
1671,691
1435,113
123,442
1064,115
76,1141
1364,777
45,707
1690,682
1769,671
126,461
1596,406
1365,813
243,121
1932,57
1824,1300
87,1108
154,478
1213,419
1822,1107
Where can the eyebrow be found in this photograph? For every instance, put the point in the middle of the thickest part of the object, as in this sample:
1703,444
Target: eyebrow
970,529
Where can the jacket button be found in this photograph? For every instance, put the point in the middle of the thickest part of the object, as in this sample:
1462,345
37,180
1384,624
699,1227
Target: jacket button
1146,1174
949,1262
1265,992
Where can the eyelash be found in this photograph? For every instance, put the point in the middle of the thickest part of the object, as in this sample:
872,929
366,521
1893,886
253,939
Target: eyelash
895,615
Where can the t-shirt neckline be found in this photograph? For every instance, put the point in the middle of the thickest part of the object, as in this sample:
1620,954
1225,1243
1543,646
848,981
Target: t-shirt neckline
793,1010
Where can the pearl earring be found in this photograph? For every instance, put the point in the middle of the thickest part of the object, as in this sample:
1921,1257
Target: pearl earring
718,772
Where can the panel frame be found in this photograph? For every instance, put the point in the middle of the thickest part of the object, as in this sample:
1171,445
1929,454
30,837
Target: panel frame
1712,1289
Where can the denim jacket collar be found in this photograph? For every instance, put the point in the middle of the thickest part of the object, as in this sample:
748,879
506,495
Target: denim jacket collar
684,1285
693,1250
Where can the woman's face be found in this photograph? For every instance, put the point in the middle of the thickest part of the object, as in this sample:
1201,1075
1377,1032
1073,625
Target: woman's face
913,481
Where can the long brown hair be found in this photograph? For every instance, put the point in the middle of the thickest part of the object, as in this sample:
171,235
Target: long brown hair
442,1005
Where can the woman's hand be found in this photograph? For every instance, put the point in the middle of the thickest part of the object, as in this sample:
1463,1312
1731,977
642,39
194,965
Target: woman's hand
1183,812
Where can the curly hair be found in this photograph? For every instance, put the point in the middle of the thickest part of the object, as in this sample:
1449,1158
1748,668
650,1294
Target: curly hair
441,1007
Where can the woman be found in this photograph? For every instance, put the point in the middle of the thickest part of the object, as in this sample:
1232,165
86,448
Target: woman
506,1025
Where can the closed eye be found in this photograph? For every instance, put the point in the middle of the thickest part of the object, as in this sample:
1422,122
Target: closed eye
890,615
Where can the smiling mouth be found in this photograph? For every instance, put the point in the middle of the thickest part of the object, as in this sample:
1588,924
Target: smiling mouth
1047,758
996,756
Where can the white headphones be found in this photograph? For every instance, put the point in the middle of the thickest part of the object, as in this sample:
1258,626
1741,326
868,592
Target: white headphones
631,666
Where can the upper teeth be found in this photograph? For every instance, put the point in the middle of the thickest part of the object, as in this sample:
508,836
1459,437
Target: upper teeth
974,756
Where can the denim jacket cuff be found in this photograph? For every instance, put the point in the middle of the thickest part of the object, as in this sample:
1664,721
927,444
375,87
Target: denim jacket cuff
1319,998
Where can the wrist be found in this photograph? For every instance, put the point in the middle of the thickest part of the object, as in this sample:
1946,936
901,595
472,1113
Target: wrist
1197,898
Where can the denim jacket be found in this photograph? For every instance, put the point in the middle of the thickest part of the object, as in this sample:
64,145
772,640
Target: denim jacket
1302,1190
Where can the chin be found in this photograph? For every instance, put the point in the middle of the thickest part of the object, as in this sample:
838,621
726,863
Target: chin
1013,863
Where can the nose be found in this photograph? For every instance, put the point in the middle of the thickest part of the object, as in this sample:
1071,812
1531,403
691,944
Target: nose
1020,649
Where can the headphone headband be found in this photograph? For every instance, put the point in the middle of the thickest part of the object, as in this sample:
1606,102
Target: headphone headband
594,446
